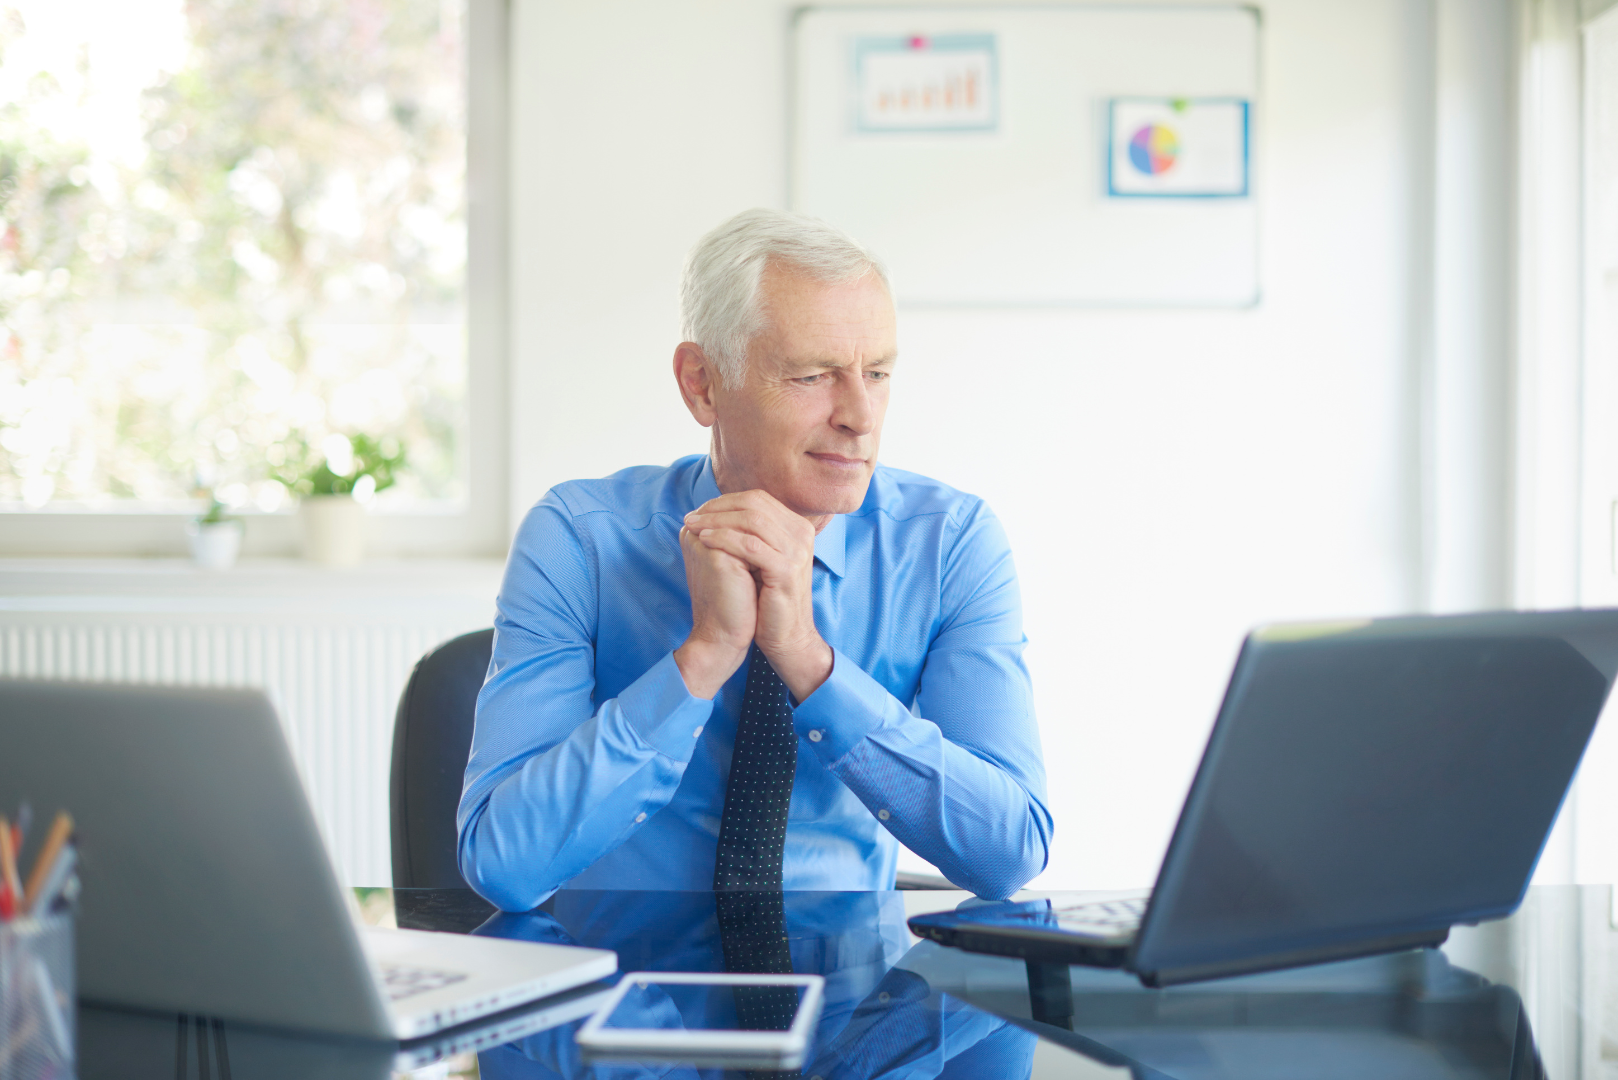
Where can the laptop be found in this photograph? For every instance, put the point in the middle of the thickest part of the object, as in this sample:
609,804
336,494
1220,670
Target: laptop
140,1045
1367,785
206,888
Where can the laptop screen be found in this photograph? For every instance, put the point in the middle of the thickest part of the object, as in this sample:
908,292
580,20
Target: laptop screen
1390,778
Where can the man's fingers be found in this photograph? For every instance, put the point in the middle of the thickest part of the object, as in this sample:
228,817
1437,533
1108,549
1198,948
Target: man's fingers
757,502
713,564
755,499
743,502
758,512
692,545
780,535
749,549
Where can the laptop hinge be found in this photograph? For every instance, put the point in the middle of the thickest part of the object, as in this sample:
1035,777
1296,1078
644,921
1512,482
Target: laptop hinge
1172,976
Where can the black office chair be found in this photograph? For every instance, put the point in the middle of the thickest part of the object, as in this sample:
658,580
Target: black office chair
432,736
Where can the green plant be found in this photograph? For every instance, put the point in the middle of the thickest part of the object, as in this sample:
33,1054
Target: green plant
215,514
340,465
254,117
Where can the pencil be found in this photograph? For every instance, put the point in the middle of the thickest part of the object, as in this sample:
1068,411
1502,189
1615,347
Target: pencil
61,829
8,861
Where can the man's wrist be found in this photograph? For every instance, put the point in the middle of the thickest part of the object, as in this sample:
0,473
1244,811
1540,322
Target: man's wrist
707,665
805,668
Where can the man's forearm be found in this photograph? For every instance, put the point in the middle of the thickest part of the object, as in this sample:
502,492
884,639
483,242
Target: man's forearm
969,816
526,828
805,670
541,825
966,816
705,666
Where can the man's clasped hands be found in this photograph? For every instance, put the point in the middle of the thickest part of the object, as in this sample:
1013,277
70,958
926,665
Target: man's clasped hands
749,563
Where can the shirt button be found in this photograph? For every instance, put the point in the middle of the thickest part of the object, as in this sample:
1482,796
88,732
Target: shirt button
814,736
883,814
697,732
640,817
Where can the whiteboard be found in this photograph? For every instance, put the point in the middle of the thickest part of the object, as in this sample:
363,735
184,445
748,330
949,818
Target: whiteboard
997,156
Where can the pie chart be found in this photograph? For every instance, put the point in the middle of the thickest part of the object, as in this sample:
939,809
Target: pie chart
1153,149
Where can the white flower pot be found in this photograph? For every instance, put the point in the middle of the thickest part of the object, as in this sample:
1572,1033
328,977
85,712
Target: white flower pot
214,545
333,529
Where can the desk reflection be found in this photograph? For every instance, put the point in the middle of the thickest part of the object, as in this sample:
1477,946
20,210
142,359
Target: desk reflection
1418,1013
1519,999
879,1019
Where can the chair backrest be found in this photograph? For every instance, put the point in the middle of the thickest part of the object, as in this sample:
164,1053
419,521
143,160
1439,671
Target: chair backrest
432,737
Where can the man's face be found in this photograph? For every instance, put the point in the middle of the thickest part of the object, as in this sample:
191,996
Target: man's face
806,423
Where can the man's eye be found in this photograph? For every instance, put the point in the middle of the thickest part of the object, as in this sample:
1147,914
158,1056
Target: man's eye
879,376
810,380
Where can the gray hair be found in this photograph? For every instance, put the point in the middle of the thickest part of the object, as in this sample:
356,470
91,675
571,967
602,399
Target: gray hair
720,304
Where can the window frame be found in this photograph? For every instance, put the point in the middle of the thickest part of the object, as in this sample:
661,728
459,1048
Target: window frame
475,525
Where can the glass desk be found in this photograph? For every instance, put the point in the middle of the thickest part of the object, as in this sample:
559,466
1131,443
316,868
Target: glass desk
1528,996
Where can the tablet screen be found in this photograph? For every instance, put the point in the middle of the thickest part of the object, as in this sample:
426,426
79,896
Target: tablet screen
705,1007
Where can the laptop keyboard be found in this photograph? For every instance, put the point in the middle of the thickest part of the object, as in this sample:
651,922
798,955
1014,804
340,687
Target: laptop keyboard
402,980
1101,918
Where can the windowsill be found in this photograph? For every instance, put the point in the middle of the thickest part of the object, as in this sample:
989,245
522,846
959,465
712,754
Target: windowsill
469,534
253,584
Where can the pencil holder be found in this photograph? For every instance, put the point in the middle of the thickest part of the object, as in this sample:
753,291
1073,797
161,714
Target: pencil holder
37,1009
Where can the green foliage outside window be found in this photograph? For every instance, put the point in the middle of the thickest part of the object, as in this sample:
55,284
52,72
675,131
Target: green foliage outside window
274,254
361,465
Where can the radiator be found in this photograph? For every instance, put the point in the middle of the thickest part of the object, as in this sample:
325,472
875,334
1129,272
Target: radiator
333,665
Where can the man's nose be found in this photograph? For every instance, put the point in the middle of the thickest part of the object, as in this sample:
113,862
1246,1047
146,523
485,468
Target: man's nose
854,412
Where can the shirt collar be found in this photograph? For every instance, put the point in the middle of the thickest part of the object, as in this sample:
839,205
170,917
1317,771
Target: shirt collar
830,543
706,487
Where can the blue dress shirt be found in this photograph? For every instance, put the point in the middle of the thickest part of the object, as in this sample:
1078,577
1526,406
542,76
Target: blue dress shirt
593,767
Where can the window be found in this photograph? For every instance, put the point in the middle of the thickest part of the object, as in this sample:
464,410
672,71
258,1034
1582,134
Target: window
1600,249
234,230
1594,802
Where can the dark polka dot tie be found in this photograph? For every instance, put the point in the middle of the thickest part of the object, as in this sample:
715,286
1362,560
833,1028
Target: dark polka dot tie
752,836
752,932
753,827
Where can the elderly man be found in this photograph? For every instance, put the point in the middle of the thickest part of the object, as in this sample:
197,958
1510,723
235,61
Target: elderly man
760,667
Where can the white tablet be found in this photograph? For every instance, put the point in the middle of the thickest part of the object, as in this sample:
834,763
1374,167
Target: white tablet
693,1018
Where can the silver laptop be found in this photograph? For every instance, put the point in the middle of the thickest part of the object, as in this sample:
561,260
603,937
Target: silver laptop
206,887
1368,784
133,1045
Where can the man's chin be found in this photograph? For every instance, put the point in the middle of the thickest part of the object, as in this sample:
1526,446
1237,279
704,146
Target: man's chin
826,499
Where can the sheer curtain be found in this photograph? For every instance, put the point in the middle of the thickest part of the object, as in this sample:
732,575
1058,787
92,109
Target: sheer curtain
1595,817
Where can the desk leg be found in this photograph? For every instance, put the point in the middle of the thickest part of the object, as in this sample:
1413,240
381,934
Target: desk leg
1050,994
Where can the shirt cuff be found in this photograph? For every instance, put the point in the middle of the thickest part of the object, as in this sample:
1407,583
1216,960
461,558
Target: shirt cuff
843,710
663,712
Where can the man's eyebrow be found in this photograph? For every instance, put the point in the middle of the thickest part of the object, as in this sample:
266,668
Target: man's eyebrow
794,368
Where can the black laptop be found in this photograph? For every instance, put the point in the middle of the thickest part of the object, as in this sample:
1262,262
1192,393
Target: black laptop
1367,785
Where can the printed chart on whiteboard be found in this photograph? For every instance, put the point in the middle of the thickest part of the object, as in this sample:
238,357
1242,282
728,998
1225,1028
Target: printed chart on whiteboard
1036,156
1177,148
914,83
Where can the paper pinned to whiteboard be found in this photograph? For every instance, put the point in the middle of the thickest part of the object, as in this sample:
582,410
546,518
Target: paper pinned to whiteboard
1019,213
1178,148
916,83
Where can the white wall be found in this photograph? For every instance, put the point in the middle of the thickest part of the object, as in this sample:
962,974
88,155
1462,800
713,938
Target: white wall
1167,478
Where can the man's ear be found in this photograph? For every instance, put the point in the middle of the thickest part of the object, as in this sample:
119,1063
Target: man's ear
697,378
